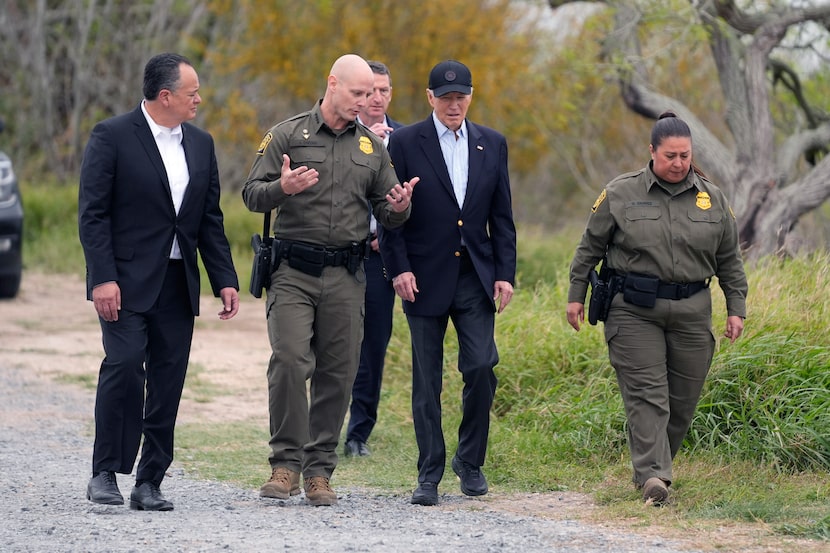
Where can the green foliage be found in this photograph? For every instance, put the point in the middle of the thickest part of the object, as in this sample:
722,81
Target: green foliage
224,452
50,228
540,260
819,529
240,224
768,396
766,404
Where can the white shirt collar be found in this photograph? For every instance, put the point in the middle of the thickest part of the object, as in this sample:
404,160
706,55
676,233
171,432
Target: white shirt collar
158,130
441,128
385,121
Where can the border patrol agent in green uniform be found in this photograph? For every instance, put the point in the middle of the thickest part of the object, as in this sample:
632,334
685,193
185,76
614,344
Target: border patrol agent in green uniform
321,171
665,231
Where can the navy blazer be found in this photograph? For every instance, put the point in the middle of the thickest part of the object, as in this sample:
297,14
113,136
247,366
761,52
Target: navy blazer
394,124
127,219
429,242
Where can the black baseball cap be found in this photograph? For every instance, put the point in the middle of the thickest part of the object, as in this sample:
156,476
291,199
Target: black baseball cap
450,76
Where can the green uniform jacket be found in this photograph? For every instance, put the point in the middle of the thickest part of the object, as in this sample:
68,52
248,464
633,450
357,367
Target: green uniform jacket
684,232
355,172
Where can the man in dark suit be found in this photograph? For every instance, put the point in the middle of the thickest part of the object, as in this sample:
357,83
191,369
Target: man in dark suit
149,196
453,259
380,296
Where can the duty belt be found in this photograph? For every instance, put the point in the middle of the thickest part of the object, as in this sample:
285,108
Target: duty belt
665,290
311,258
677,291
328,256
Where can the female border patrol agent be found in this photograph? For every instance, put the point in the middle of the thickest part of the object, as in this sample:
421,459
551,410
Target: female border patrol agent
664,231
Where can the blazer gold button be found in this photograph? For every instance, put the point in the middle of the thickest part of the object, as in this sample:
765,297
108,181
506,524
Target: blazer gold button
460,223
457,254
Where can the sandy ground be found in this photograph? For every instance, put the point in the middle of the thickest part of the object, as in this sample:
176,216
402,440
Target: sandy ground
52,331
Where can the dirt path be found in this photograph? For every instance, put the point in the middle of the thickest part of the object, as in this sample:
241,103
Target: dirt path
52,332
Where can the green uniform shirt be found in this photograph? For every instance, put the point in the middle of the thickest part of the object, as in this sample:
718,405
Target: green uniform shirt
355,171
684,232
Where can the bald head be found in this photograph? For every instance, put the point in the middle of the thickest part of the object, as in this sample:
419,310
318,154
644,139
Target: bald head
348,88
350,66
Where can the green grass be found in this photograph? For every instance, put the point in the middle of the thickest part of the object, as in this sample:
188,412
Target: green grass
758,449
87,381
198,388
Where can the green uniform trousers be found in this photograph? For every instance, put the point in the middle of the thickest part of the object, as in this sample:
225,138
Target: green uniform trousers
661,356
315,325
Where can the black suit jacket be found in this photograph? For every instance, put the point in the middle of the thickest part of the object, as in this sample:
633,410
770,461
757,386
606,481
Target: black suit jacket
428,243
127,220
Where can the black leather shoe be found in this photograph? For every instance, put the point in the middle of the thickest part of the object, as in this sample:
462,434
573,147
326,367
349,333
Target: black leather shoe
147,497
473,481
425,494
103,489
356,448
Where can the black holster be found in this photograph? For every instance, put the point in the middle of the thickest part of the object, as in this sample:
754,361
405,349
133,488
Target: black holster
265,263
266,258
603,290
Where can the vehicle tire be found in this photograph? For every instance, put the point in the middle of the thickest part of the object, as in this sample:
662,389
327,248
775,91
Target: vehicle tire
9,285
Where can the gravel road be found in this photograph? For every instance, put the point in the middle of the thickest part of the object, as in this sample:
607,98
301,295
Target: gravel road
45,449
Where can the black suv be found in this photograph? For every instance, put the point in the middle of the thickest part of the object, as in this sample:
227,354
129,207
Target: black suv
11,228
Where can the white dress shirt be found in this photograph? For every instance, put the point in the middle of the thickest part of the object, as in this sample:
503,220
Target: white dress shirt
169,142
456,156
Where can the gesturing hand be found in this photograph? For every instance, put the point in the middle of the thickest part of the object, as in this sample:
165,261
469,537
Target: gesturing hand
294,181
401,195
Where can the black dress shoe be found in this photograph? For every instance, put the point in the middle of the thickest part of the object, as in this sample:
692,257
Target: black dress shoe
147,497
103,489
473,481
356,448
425,494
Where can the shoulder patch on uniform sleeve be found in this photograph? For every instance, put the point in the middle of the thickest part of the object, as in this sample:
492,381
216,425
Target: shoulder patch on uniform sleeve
264,144
600,199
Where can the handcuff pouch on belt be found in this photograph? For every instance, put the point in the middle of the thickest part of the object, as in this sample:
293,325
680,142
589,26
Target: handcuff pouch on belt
640,290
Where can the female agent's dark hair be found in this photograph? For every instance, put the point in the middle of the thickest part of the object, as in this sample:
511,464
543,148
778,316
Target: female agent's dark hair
669,124
162,71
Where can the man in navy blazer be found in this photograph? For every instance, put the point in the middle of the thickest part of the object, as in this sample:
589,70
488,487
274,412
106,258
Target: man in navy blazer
148,198
454,258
